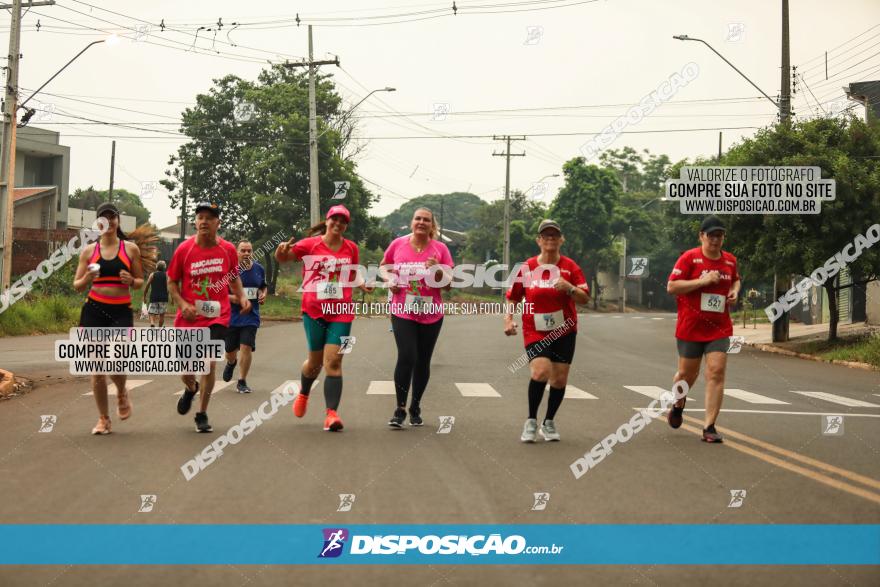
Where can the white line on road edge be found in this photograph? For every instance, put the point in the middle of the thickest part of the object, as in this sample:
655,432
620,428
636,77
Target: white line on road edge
726,411
838,399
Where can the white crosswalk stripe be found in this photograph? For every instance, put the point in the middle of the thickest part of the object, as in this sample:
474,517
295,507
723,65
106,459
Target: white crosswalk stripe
572,392
218,387
477,390
651,391
130,384
657,318
838,399
638,317
753,398
381,388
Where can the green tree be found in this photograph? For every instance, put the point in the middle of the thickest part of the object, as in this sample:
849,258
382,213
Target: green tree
848,151
486,239
127,202
455,211
248,152
585,208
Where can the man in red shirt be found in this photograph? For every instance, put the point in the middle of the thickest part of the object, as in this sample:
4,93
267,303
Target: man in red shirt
198,275
707,283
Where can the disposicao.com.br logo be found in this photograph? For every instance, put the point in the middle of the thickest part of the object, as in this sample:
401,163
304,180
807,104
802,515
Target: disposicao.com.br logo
334,540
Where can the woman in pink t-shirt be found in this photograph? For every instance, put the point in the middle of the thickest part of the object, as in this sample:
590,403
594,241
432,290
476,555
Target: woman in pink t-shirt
418,267
327,310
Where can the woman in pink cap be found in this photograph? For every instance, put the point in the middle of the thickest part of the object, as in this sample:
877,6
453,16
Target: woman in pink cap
327,310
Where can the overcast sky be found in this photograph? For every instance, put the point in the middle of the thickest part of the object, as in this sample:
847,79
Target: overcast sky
606,53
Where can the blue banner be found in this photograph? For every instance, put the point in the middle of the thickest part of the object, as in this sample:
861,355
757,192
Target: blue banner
525,544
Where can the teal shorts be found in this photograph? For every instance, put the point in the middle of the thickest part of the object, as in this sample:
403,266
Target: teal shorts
320,332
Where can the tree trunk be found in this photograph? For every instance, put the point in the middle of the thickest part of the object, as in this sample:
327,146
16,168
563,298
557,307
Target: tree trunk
271,271
832,307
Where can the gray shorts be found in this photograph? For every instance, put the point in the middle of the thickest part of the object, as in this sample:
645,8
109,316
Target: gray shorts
695,350
157,307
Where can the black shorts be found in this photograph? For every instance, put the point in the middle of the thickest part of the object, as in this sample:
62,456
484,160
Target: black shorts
218,331
99,315
560,350
689,349
239,335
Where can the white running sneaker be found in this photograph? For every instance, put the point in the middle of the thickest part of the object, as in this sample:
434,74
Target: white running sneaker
530,431
548,431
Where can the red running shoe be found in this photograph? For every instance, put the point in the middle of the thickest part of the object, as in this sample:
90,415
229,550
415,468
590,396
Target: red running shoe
300,404
332,423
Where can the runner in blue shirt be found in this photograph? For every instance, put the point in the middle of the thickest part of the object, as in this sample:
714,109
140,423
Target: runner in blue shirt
242,332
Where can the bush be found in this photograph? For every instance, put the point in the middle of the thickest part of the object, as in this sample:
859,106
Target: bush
40,315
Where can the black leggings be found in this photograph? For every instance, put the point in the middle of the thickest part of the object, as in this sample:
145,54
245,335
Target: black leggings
415,345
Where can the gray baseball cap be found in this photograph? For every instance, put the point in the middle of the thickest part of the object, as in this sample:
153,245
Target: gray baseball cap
546,223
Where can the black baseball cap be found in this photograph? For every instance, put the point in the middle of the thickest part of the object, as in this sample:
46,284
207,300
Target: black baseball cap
711,224
208,206
106,207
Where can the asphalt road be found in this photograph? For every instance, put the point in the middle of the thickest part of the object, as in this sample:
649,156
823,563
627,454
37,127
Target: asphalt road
288,471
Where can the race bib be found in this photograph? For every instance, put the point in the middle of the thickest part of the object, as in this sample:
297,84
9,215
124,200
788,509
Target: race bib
329,290
712,302
418,304
251,293
549,321
208,308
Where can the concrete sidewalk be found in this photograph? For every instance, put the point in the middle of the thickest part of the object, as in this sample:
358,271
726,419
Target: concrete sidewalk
763,333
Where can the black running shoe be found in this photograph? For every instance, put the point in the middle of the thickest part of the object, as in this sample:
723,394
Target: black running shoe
711,435
397,420
674,416
202,424
227,371
186,400
415,416
242,387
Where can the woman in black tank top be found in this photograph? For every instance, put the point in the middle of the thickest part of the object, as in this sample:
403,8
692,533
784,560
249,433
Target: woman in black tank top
109,300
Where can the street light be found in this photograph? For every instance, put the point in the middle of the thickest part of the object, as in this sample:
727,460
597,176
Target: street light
687,38
29,112
348,114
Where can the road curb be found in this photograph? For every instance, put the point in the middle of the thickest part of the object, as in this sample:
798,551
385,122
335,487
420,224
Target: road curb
7,382
851,364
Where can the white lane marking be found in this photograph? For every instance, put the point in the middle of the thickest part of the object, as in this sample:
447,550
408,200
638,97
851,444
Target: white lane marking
725,410
289,382
130,384
638,317
652,391
381,388
218,387
838,399
753,398
572,392
658,318
616,316
477,390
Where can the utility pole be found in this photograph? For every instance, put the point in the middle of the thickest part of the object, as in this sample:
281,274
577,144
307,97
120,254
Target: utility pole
508,155
112,169
314,203
7,144
785,96
183,207
719,146
621,295
780,331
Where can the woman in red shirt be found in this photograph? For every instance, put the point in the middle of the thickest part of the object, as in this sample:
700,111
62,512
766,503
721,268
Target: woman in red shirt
327,309
707,283
553,285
